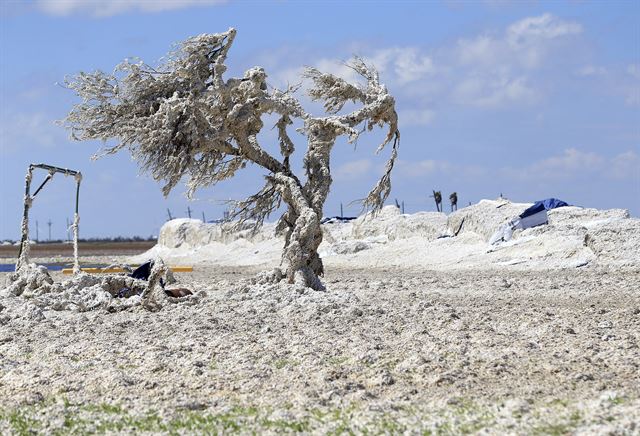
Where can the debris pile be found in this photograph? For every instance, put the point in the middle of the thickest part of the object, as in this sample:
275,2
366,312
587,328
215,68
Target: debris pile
84,292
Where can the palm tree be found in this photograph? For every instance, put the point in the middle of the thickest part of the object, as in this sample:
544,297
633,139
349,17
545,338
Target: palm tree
453,198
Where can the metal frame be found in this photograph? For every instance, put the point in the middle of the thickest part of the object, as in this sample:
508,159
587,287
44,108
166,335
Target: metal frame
28,200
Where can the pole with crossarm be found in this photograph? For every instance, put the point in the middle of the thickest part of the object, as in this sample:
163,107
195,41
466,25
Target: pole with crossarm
23,255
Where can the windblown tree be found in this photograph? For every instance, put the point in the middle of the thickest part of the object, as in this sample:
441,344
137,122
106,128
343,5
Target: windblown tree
182,120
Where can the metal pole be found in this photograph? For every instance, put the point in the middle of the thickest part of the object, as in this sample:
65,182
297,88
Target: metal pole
204,220
76,223
341,213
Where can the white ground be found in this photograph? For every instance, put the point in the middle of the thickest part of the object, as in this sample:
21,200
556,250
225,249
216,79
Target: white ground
415,334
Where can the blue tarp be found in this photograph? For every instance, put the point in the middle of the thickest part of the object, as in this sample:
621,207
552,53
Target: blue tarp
546,204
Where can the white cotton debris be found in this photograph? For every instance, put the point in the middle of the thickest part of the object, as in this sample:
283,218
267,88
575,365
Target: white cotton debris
574,238
75,226
23,258
85,292
392,224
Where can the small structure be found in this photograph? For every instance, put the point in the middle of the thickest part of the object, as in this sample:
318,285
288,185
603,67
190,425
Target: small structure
23,255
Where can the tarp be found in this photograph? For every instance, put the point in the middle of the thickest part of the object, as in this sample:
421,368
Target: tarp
546,204
533,216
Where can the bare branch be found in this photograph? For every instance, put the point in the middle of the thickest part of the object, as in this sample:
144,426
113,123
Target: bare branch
380,192
335,92
257,207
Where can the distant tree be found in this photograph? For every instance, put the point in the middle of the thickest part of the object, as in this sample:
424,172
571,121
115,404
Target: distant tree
453,198
437,197
184,120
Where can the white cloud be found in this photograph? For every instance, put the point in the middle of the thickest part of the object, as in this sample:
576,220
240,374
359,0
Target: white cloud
545,26
107,8
574,164
407,64
571,160
429,167
415,117
33,130
634,71
524,43
402,65
625,166
496,68
492,92
353,170
421,168
532,38
591,71
633,96
482,50
632,90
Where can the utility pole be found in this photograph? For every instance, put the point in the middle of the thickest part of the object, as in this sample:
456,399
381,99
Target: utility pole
204,220
169,213
49,223
402,207
189,211
341,213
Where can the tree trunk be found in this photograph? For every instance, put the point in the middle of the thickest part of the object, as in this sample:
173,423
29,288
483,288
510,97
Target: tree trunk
301,262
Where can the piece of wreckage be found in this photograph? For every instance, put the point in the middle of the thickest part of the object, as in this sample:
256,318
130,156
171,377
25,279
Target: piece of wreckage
83,292
533,216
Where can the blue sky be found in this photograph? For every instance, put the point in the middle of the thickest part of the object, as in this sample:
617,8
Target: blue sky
528,99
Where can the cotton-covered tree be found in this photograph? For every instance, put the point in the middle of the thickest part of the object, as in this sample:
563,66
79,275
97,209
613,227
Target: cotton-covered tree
183,120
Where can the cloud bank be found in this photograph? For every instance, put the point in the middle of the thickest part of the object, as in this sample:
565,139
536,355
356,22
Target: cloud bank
108,8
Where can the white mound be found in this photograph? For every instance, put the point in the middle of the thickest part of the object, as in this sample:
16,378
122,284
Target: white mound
574,237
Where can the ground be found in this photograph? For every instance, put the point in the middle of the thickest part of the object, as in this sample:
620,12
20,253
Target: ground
381,351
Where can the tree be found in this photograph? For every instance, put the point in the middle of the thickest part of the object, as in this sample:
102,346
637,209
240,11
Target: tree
453,198
183,120
437,197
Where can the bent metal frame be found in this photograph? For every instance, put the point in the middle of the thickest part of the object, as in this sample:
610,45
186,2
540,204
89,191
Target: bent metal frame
28,200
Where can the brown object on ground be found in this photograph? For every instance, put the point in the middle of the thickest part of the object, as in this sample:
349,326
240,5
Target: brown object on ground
178,292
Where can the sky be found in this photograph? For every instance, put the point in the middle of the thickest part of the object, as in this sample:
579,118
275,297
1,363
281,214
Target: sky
528,99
